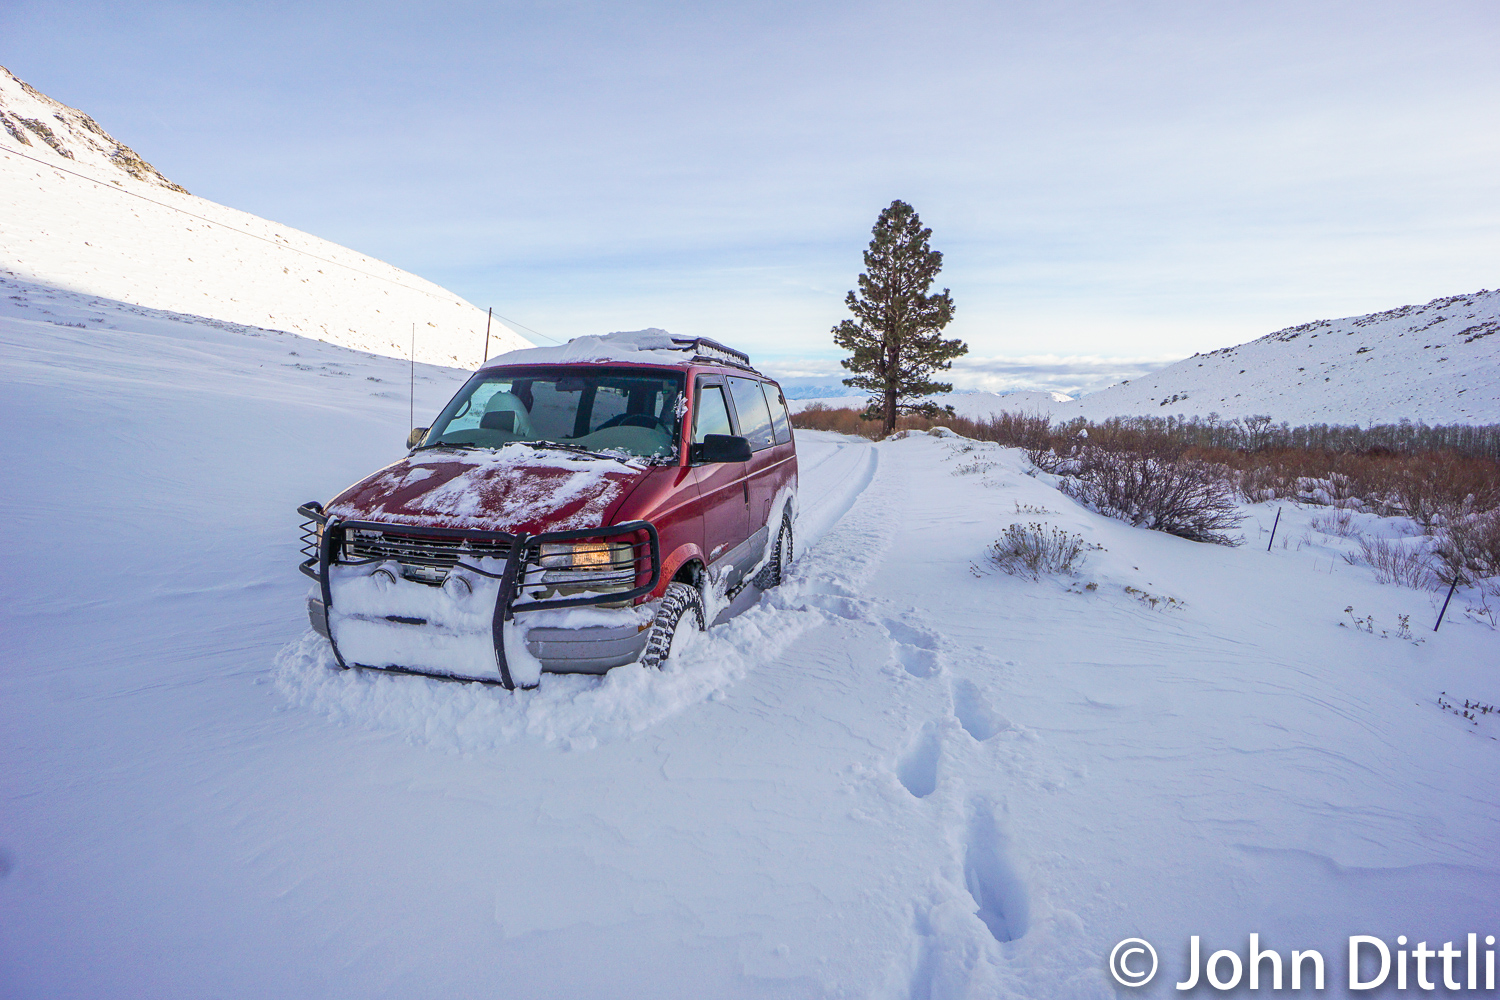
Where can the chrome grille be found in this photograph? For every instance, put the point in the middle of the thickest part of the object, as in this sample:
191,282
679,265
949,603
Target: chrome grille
425,559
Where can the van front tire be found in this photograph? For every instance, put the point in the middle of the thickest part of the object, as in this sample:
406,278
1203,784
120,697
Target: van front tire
678,620
774,570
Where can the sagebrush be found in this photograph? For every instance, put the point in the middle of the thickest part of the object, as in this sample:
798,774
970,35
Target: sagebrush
1034,551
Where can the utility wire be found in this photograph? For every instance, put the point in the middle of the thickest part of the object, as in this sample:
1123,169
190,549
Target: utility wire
255,236
511,322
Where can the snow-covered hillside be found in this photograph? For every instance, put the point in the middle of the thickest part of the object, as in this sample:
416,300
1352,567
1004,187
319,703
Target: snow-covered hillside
902,774
83,212
1438,363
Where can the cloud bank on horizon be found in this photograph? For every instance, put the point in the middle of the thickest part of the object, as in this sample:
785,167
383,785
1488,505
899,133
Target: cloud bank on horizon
1074,376
1108,184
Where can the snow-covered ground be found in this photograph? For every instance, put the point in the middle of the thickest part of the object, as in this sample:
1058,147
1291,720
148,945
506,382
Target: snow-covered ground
902,774
82,212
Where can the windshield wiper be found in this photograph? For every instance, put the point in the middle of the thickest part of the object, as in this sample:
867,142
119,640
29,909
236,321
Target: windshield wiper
578,448
449,444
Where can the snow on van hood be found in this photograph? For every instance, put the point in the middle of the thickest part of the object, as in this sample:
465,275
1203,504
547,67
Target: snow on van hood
515,488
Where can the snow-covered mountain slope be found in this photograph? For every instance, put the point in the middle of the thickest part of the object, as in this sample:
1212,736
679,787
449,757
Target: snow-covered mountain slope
901,775
1438,363
81,211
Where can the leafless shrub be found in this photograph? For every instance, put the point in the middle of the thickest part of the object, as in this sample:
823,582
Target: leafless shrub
1468,547
818,417
1340,522
1186,498
1044,458
1395,563
1034,551
1262,483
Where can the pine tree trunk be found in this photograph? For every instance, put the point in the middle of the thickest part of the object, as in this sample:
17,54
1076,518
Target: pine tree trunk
888,421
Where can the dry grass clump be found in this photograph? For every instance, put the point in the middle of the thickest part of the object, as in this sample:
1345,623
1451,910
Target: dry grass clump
1338,522
1032,550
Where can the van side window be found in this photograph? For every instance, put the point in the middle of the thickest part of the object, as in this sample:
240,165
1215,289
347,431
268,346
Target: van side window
779,419
711,415
755,416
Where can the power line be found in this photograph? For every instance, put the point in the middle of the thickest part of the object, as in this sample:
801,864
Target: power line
511,322
255,236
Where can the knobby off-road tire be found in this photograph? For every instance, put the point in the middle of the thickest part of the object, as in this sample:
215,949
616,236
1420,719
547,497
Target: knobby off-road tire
772,573
681,608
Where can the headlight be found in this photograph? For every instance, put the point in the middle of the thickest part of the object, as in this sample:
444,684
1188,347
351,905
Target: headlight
595,556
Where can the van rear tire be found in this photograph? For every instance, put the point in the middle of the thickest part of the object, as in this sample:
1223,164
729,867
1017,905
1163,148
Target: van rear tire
774,571
678,619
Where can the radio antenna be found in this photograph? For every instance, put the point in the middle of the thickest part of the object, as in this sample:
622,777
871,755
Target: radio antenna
412,397
487,334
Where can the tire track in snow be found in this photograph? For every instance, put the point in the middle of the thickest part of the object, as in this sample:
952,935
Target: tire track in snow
831,486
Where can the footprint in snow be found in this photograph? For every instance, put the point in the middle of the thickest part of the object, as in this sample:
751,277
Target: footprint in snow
974,712
916,661
838,605
991,877
916,649
917,768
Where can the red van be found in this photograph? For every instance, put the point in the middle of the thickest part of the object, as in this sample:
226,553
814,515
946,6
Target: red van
572,509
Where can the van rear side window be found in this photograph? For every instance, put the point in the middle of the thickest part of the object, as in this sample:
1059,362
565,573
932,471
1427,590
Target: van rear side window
755,416
779,418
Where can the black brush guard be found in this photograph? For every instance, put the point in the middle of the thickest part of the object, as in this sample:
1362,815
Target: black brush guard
326,543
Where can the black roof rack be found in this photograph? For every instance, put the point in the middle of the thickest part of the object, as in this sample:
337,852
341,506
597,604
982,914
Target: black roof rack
712,350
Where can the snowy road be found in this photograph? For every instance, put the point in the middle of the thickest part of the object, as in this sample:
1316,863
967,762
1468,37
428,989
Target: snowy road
900,775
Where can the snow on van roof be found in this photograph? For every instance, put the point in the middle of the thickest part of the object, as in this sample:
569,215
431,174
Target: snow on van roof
649,346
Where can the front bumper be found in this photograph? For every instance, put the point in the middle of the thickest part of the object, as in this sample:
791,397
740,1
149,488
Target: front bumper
451,645
591,649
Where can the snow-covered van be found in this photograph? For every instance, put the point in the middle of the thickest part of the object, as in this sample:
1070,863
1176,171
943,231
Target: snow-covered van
572,509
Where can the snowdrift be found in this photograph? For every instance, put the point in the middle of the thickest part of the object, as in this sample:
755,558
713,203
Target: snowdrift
83,212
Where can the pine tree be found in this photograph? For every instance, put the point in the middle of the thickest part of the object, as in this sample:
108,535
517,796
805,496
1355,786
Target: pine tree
894,338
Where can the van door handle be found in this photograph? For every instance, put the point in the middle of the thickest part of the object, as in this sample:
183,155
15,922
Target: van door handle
747,492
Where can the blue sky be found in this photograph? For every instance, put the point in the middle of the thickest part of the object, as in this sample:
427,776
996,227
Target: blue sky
1112,184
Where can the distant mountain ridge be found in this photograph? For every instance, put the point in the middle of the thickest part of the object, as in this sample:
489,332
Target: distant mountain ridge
81,211
1436,363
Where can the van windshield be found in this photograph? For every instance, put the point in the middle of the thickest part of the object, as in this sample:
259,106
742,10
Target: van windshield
599,410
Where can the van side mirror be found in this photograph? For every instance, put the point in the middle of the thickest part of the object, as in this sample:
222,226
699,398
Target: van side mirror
720,448
415,437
